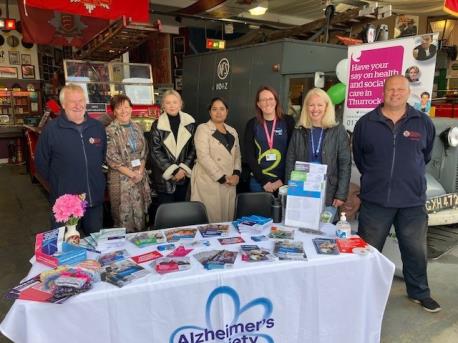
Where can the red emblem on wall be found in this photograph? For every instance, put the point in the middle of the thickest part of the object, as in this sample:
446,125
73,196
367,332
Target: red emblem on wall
67,22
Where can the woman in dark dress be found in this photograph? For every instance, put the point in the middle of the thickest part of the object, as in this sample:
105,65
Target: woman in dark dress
266,142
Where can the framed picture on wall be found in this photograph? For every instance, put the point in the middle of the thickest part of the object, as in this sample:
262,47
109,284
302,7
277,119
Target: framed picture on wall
178,83
2,56
406,25
8,72
26,59
28,71
14,57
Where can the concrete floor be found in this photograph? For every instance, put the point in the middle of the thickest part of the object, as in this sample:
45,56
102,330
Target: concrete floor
24,212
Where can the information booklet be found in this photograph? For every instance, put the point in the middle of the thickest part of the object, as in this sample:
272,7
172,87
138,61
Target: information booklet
197,244
174,235
109,238
326,246
180,251
259,238
216,259
113,256
289,250
277,233
165,247
33,289
143,239
252,224
58,284
149,256
171,264
313,232
214,230
347,245
231,240
121,273
253,253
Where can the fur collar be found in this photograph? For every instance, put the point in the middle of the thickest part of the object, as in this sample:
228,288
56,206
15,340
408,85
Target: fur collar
176,145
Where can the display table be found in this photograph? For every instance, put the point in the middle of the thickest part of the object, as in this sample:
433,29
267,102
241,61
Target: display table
325,299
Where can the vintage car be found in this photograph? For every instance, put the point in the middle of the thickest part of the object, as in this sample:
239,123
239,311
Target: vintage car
442,177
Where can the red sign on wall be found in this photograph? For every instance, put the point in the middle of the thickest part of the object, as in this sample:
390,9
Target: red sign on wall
106,9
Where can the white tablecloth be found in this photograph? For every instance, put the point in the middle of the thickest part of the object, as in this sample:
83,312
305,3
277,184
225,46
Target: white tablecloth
325,299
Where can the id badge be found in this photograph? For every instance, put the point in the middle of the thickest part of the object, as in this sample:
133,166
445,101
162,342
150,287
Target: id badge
135,163
271,157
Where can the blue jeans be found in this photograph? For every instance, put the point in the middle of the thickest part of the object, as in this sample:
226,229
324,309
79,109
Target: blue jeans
411,226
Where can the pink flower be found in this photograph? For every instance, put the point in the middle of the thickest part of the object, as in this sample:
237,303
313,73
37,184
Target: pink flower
69,208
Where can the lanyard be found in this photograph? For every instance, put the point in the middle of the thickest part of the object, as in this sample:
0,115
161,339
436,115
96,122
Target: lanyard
270,138
317,151
131,137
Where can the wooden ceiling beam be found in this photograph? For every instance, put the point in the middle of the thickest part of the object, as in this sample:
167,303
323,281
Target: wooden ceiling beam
200,6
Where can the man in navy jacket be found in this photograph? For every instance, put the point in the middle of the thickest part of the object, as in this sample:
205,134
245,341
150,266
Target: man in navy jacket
70,154
391,146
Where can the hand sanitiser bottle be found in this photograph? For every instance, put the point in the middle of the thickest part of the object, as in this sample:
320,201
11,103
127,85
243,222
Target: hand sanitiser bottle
343,228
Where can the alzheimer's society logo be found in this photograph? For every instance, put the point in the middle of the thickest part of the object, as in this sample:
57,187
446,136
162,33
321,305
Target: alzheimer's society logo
235,331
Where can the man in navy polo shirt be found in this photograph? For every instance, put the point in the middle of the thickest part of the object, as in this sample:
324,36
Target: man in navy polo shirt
391,146
69,156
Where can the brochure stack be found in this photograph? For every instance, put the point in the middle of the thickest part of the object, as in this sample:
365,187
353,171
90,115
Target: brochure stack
306,195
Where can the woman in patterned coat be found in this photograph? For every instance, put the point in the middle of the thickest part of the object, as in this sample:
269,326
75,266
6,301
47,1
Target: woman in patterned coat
128,185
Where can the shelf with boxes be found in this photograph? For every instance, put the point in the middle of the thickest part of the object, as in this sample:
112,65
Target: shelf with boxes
19,107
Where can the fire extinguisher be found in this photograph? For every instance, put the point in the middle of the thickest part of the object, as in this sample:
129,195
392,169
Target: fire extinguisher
11,152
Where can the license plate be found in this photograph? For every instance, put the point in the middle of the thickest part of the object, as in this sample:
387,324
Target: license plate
442,202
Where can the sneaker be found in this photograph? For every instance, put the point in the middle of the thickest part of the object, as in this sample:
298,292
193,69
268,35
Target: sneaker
428,304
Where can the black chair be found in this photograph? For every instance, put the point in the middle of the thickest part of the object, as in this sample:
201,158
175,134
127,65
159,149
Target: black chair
175,214
258,203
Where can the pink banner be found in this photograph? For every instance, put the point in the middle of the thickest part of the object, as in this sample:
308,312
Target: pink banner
368,71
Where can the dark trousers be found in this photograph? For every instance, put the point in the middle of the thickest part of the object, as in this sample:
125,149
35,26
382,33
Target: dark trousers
179,195
411,226
91,222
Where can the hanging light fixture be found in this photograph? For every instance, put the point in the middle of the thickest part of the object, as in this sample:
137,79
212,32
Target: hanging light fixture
7,24
260,8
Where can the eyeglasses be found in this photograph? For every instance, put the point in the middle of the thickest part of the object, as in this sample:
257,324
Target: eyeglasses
267,100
